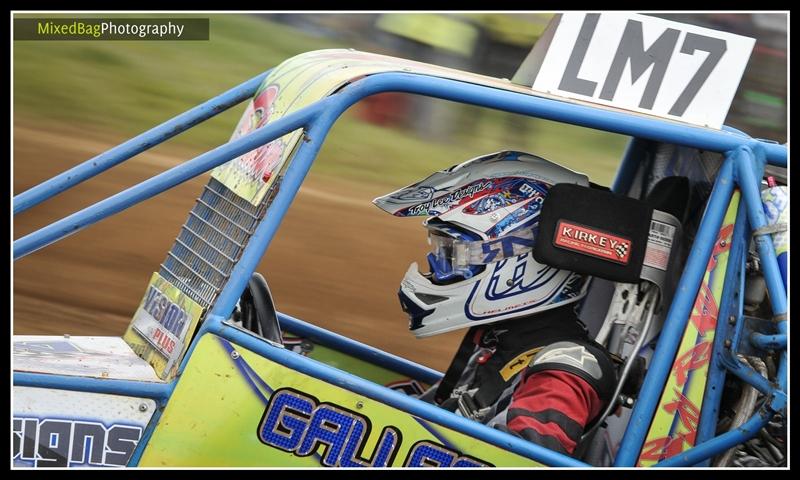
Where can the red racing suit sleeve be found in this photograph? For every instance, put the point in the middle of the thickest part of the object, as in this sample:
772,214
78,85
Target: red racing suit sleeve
551,408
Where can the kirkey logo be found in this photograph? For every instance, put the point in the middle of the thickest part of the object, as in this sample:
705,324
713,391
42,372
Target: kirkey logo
591,241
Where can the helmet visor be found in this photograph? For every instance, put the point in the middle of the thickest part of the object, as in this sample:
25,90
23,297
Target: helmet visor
455,252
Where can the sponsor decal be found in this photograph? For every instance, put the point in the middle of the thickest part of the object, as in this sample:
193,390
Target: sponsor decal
529,286
675,423
507,192
505,247
659,245
251,174
170,317
412,194
53,442
429,454
446,202
298,423
518,363
665,447
593,242
260,413
161,325
527,214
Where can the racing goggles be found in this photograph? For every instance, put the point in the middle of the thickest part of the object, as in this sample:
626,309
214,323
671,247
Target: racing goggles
455,252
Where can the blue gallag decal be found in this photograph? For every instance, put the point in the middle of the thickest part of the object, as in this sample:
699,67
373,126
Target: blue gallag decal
298,423
56,442
429,454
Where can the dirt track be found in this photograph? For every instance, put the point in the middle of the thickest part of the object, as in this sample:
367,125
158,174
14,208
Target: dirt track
336,262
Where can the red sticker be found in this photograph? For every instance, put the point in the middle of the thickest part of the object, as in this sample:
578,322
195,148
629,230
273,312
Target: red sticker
589,241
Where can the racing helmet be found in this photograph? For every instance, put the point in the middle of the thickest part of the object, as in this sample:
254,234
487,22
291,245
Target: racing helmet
482,222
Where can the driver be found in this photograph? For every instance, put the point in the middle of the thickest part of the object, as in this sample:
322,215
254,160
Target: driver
526,364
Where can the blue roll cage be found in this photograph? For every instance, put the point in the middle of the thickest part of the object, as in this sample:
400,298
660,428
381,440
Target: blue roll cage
743,167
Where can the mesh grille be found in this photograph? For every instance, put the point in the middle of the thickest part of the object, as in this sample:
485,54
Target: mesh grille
210,243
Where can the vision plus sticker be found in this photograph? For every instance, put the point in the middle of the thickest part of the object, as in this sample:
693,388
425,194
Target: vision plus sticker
590,241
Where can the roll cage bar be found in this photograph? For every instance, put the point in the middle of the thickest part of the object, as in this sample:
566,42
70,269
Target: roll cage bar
743,167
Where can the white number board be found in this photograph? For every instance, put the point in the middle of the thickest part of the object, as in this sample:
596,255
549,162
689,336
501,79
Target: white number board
641,63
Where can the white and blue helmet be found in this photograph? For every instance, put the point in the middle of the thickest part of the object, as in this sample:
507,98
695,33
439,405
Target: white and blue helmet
483,218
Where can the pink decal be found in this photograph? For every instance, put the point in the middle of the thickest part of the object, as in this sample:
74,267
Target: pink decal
694,358
723,245
665,447
262,106
669,446
688,413
707,312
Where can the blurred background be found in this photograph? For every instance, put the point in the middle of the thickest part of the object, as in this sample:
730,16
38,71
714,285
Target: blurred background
337,260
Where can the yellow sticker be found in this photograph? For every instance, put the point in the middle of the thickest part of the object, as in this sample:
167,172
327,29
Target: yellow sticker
673,429
162,325
518,363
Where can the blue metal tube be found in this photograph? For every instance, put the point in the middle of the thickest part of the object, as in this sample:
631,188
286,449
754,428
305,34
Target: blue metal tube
359,350
560,111
728,128
332,107
746,373
676,320
745,160
329,110
502,100
740,319
464,93
256,246
164,181
749,182
136,145
611,121
730,303
265,231
391,397
768,342
261,238
155,390
719,444
782,373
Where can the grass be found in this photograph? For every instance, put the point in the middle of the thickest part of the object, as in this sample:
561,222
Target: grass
130,86
127,87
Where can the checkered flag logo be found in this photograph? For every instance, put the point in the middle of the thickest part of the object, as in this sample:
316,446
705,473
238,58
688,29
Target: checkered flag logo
621,249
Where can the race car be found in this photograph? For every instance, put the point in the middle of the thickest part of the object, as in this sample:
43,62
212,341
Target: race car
209,373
